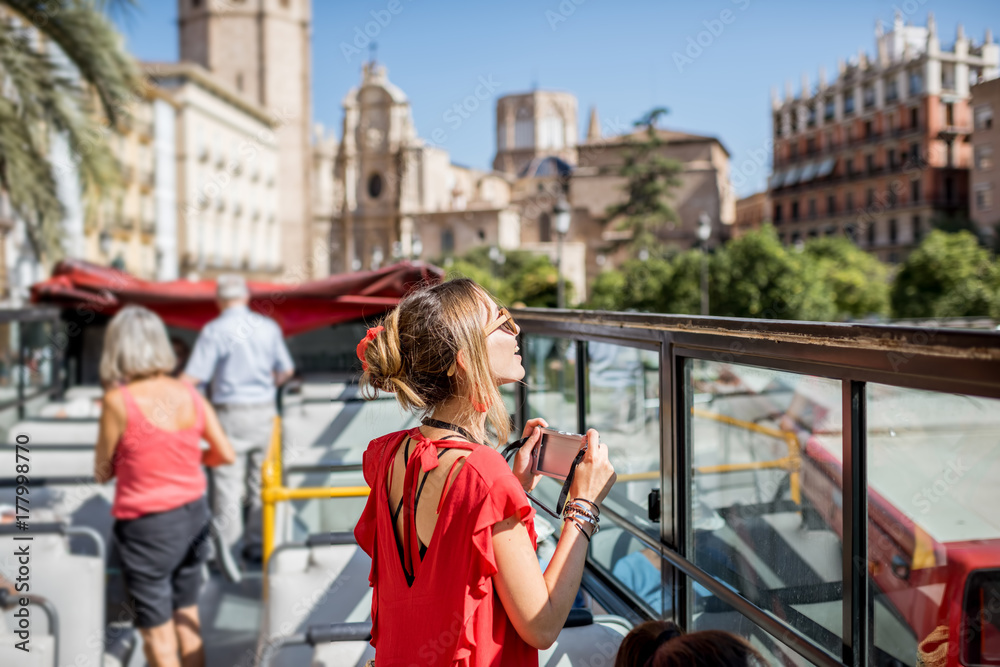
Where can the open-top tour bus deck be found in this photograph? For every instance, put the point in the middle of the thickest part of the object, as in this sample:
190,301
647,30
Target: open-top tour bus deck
827,491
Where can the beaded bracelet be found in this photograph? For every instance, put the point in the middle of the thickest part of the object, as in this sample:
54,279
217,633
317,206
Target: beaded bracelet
582,508
576,511
597,510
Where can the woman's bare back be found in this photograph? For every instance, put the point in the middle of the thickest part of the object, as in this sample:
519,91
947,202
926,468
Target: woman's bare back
165,402
430,496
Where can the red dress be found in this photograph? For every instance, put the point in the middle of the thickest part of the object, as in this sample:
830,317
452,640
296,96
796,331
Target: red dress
450,615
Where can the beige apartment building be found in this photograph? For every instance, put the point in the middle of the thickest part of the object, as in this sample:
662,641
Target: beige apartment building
985,179
226,177
135,228
752,212
882,151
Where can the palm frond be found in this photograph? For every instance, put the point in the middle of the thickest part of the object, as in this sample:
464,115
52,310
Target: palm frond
28,178
45,100
93,45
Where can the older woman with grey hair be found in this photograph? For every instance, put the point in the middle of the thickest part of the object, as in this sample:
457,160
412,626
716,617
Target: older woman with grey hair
149,439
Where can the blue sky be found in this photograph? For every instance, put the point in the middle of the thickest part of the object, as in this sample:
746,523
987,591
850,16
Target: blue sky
621,56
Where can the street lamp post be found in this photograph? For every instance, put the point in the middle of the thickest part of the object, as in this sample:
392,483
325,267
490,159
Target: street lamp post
562,216
704,233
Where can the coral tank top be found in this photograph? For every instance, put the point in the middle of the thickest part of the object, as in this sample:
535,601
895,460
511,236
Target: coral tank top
441,609
157,470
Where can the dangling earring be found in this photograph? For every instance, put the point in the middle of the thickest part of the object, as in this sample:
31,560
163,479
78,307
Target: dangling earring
477,406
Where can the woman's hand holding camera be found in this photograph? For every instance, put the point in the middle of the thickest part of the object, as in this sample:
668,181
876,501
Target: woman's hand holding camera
594,475
522,460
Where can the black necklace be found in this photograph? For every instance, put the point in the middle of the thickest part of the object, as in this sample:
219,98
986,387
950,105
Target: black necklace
437,423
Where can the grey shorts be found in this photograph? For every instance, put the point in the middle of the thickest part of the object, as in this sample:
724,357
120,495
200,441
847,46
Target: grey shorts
162,555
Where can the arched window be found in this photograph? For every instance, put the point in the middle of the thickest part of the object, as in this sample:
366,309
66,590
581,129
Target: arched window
375,185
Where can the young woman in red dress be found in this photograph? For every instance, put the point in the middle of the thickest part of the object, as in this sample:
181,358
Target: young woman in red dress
448,525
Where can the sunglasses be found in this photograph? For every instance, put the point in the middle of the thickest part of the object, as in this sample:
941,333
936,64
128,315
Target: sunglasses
504,321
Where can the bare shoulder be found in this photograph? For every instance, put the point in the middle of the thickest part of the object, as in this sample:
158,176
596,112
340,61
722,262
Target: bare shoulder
113,404
114,400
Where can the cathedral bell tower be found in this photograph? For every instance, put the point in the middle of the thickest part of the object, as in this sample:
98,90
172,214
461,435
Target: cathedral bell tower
260,48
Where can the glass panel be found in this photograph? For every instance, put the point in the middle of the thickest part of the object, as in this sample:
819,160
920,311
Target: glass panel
39,358
550,373
933,465
766,490
711,613
623,401
632,564
9,367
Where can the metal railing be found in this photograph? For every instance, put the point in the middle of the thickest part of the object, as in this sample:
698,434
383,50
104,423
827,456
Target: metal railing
274,491
856,356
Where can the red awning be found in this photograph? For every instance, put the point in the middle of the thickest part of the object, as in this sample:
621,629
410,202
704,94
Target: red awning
188,304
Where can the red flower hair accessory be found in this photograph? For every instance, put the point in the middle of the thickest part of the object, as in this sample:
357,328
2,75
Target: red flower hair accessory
363,345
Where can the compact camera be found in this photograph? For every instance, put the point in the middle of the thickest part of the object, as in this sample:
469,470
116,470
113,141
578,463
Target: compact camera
553,456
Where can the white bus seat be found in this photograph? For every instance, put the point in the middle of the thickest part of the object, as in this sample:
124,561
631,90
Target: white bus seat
312,585
84,391
73,583
41,646
61,465
594,645
342,654
42,431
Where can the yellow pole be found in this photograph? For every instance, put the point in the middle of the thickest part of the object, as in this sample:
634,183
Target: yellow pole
270,482
792,463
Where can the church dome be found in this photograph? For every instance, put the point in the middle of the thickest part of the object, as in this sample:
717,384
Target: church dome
542,167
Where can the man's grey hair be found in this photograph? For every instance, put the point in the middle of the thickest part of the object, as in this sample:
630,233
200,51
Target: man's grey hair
135,346
231,286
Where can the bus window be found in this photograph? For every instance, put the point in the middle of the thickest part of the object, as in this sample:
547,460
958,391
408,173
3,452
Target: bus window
933,462
550,374
711,613
623,400
766,493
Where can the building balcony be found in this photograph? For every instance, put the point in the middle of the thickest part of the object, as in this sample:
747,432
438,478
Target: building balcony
149,225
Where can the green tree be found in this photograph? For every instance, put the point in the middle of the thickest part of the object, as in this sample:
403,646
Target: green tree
948,275
859,280
524,277
756,276
41,99
650,178
660,284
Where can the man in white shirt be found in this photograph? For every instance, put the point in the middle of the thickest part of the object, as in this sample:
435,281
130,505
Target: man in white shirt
243,358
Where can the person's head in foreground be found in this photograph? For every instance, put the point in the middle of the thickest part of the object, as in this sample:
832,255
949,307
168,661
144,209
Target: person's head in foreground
663,644
436,352
641,643
135,347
